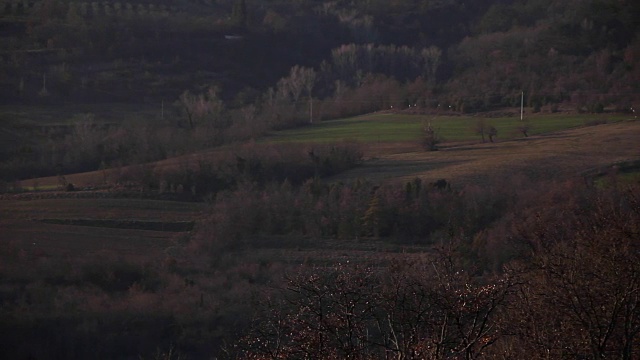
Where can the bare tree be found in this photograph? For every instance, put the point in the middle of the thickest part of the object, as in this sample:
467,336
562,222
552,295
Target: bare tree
207,107
295,83
481,128
428,308
431,57
324,315
492,132
299,81
581,297
188,101
524,129
431,138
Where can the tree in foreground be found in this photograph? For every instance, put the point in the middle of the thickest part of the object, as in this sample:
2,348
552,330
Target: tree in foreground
573,291
429,308
581,294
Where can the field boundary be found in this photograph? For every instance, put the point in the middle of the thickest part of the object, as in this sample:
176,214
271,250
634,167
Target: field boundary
173,226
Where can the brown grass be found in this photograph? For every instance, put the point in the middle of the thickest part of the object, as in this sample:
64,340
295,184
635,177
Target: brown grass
558,155
564,153
561,154
29,225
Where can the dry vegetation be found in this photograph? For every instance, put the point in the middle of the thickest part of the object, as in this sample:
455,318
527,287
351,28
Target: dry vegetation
46,226
178,220
554,155
104,263
562,153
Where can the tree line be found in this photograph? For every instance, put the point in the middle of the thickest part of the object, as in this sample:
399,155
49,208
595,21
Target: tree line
479,54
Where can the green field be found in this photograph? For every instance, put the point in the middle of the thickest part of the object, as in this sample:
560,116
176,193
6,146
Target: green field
398,127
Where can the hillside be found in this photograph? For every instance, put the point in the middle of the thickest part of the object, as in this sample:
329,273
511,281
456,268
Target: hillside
250,179
139,51
90,264
189,75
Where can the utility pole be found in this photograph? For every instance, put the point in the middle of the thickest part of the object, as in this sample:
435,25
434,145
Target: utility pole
522,107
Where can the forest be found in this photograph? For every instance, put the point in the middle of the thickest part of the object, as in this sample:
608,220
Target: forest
309,179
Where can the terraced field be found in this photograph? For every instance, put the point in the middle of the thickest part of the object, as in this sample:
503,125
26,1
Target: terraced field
73,227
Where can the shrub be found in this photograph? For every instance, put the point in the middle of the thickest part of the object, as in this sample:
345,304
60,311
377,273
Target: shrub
431,138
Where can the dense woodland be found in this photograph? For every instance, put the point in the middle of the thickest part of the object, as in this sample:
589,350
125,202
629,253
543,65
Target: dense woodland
516,267
214,72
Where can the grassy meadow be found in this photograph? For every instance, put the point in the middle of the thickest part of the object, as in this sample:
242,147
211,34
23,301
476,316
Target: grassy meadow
557,145
391,143
389,127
